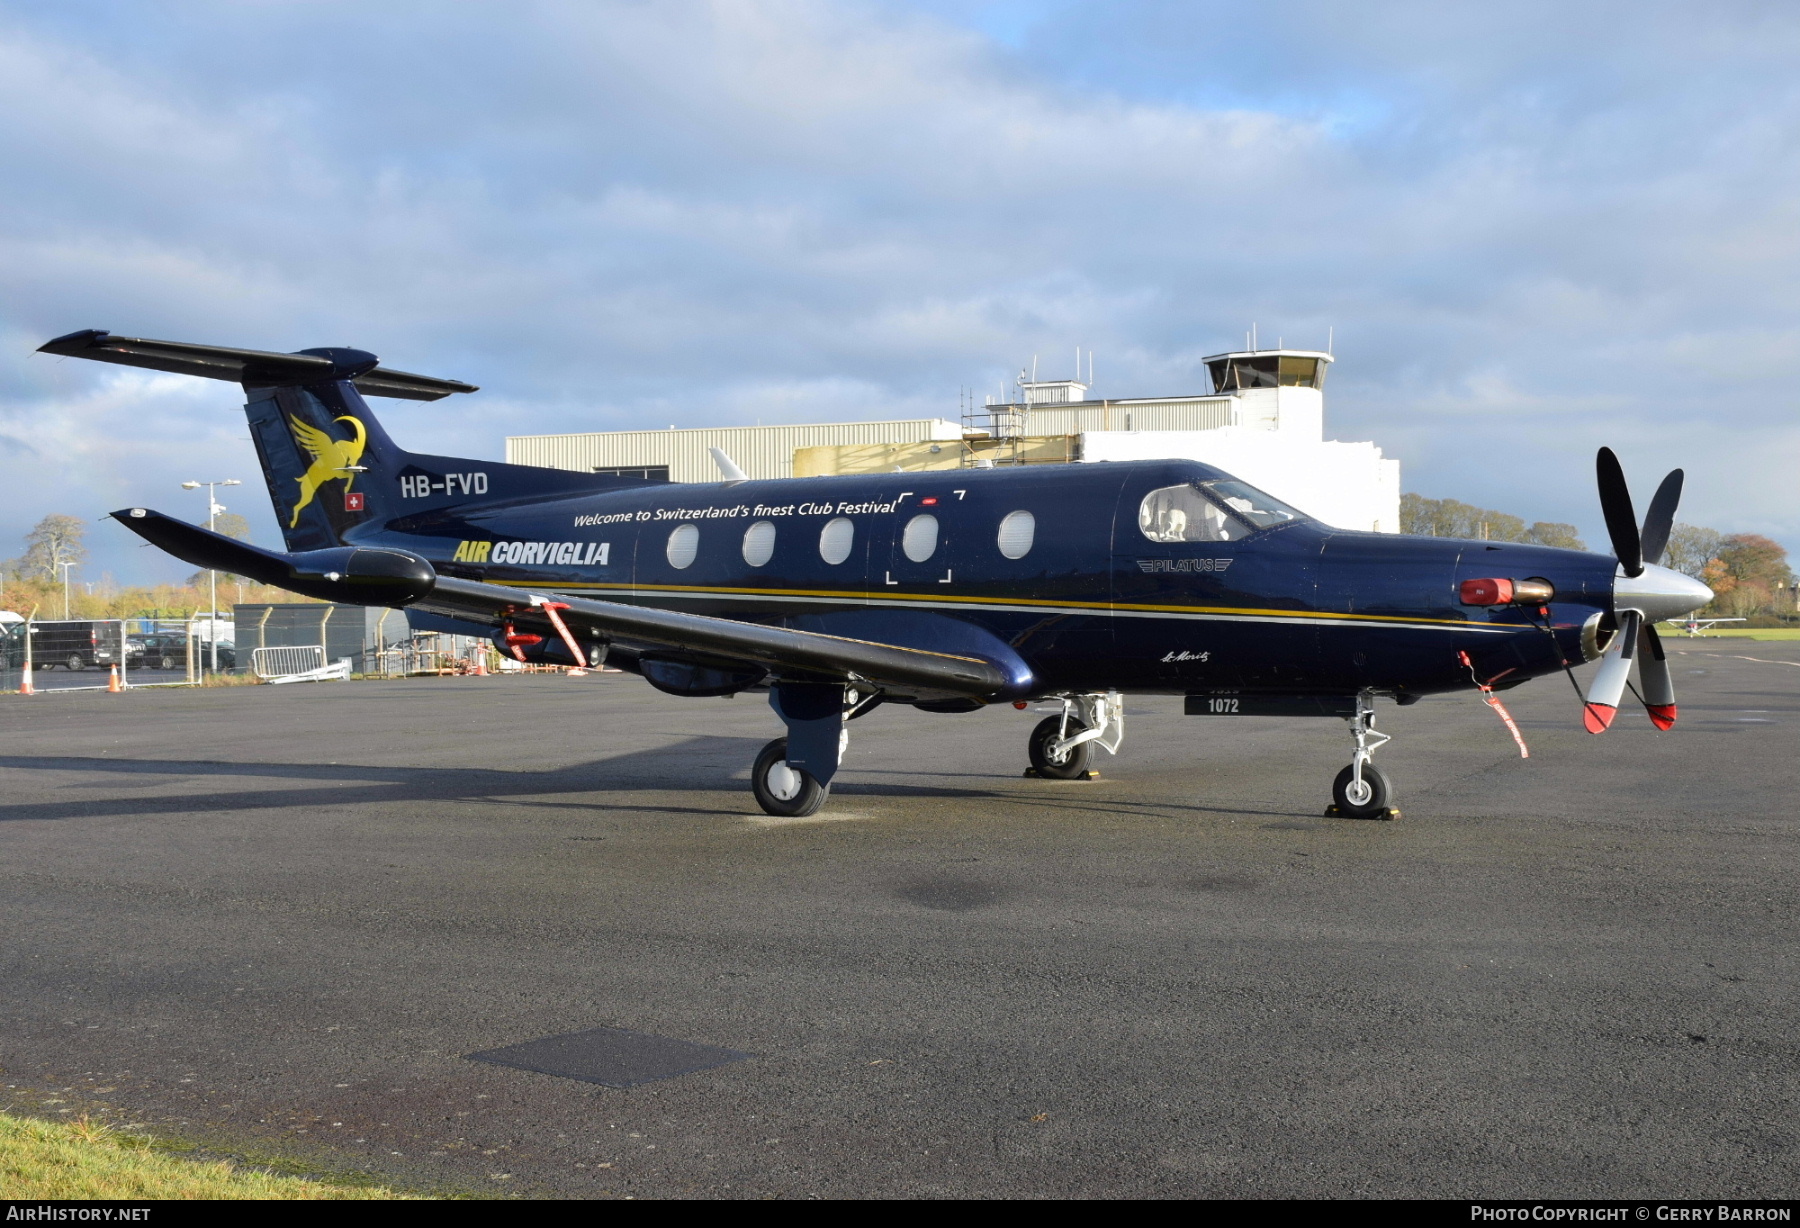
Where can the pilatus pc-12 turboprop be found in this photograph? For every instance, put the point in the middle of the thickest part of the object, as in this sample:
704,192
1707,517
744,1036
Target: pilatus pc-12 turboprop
945,590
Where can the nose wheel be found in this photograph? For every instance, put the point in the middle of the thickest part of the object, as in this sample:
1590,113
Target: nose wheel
1062,747
1367,798
1362,790
1050,757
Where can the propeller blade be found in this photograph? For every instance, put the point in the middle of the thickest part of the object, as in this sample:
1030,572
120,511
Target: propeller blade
1621,521
1614,672
1661,517
1653,672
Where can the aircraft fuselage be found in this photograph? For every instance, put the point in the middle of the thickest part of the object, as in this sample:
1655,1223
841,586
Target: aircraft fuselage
1089,602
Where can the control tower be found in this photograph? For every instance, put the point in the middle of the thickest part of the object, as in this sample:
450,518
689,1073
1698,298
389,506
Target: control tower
1275,390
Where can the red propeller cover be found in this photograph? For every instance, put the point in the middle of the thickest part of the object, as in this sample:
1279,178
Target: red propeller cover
1662,715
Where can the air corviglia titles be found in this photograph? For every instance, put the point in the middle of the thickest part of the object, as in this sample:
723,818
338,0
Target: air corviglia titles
948,591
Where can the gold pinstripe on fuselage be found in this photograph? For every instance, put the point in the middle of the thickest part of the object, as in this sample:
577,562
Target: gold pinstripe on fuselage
951,601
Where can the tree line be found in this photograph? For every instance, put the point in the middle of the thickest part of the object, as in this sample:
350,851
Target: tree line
1748,573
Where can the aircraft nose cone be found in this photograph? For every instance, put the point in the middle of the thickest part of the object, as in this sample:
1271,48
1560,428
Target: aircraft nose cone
1660,593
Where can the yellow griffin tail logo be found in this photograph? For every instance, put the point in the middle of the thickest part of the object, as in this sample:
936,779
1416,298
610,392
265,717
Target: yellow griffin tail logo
333,459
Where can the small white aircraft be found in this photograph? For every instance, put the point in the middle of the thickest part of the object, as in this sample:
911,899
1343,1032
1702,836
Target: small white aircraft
1698,626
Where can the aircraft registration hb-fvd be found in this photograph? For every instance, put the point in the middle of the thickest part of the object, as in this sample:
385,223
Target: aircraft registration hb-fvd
945,590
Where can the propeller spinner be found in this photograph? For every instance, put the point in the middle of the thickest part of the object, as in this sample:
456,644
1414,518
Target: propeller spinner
1645,593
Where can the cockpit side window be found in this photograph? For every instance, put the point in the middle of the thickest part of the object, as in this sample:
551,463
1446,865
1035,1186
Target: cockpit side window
1220,511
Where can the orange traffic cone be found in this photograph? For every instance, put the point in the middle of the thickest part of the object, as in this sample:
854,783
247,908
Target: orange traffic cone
25,687
480,670
112,682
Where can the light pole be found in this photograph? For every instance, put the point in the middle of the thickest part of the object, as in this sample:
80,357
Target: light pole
213,508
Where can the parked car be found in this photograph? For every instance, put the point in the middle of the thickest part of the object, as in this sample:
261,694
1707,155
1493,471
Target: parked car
159,650
12,638
75,644
169,649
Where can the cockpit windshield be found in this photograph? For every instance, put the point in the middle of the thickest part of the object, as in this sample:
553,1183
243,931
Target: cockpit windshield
1216,511
1264,511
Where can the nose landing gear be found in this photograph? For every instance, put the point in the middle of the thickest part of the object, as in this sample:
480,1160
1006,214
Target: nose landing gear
1061,747
1362,790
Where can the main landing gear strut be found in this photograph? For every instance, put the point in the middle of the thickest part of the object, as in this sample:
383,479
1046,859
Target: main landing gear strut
1362,790
791,777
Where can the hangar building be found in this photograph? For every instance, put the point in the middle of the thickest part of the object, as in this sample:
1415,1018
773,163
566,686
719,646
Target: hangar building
1263,421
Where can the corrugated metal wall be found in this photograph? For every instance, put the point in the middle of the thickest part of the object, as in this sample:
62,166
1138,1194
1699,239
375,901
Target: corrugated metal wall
1162,414
761,451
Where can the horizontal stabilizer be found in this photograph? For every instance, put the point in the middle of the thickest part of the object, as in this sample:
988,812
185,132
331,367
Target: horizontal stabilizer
356,575
255,368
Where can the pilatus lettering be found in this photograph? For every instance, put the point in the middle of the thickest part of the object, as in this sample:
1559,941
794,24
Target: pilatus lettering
1155,565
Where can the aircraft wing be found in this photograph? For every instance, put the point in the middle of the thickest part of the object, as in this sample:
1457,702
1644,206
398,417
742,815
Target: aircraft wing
383,576
779,649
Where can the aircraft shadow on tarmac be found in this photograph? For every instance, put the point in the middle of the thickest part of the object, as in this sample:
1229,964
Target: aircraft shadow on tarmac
681,766
641,771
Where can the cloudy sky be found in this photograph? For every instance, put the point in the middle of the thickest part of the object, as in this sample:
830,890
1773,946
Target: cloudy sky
1534,228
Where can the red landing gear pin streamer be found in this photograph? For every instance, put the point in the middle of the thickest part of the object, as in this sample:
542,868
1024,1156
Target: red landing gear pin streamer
550,608
1493,701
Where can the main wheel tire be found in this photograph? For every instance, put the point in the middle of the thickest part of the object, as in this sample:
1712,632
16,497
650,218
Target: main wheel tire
1071,763
75,662
1374,799
783,791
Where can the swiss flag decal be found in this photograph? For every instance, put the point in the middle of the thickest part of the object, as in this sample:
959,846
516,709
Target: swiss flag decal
353,501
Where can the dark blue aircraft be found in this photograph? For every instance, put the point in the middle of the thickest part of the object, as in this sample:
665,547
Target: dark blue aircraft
945,590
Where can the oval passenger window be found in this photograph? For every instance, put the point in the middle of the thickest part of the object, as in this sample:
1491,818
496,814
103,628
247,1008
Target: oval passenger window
759,543
1016,533
835,540
919,540
684,543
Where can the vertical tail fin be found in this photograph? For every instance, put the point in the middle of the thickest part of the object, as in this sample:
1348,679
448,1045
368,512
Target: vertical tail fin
323,455
330,466
332,469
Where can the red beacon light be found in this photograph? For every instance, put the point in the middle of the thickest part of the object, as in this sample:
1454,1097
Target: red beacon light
1500,591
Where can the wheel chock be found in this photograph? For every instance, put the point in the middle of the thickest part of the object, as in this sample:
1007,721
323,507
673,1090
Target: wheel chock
1388,814
1032,772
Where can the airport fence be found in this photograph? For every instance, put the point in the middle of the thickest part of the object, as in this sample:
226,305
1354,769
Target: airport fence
84,654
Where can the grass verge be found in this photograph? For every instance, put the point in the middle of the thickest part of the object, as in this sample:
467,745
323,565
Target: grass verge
82,1159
